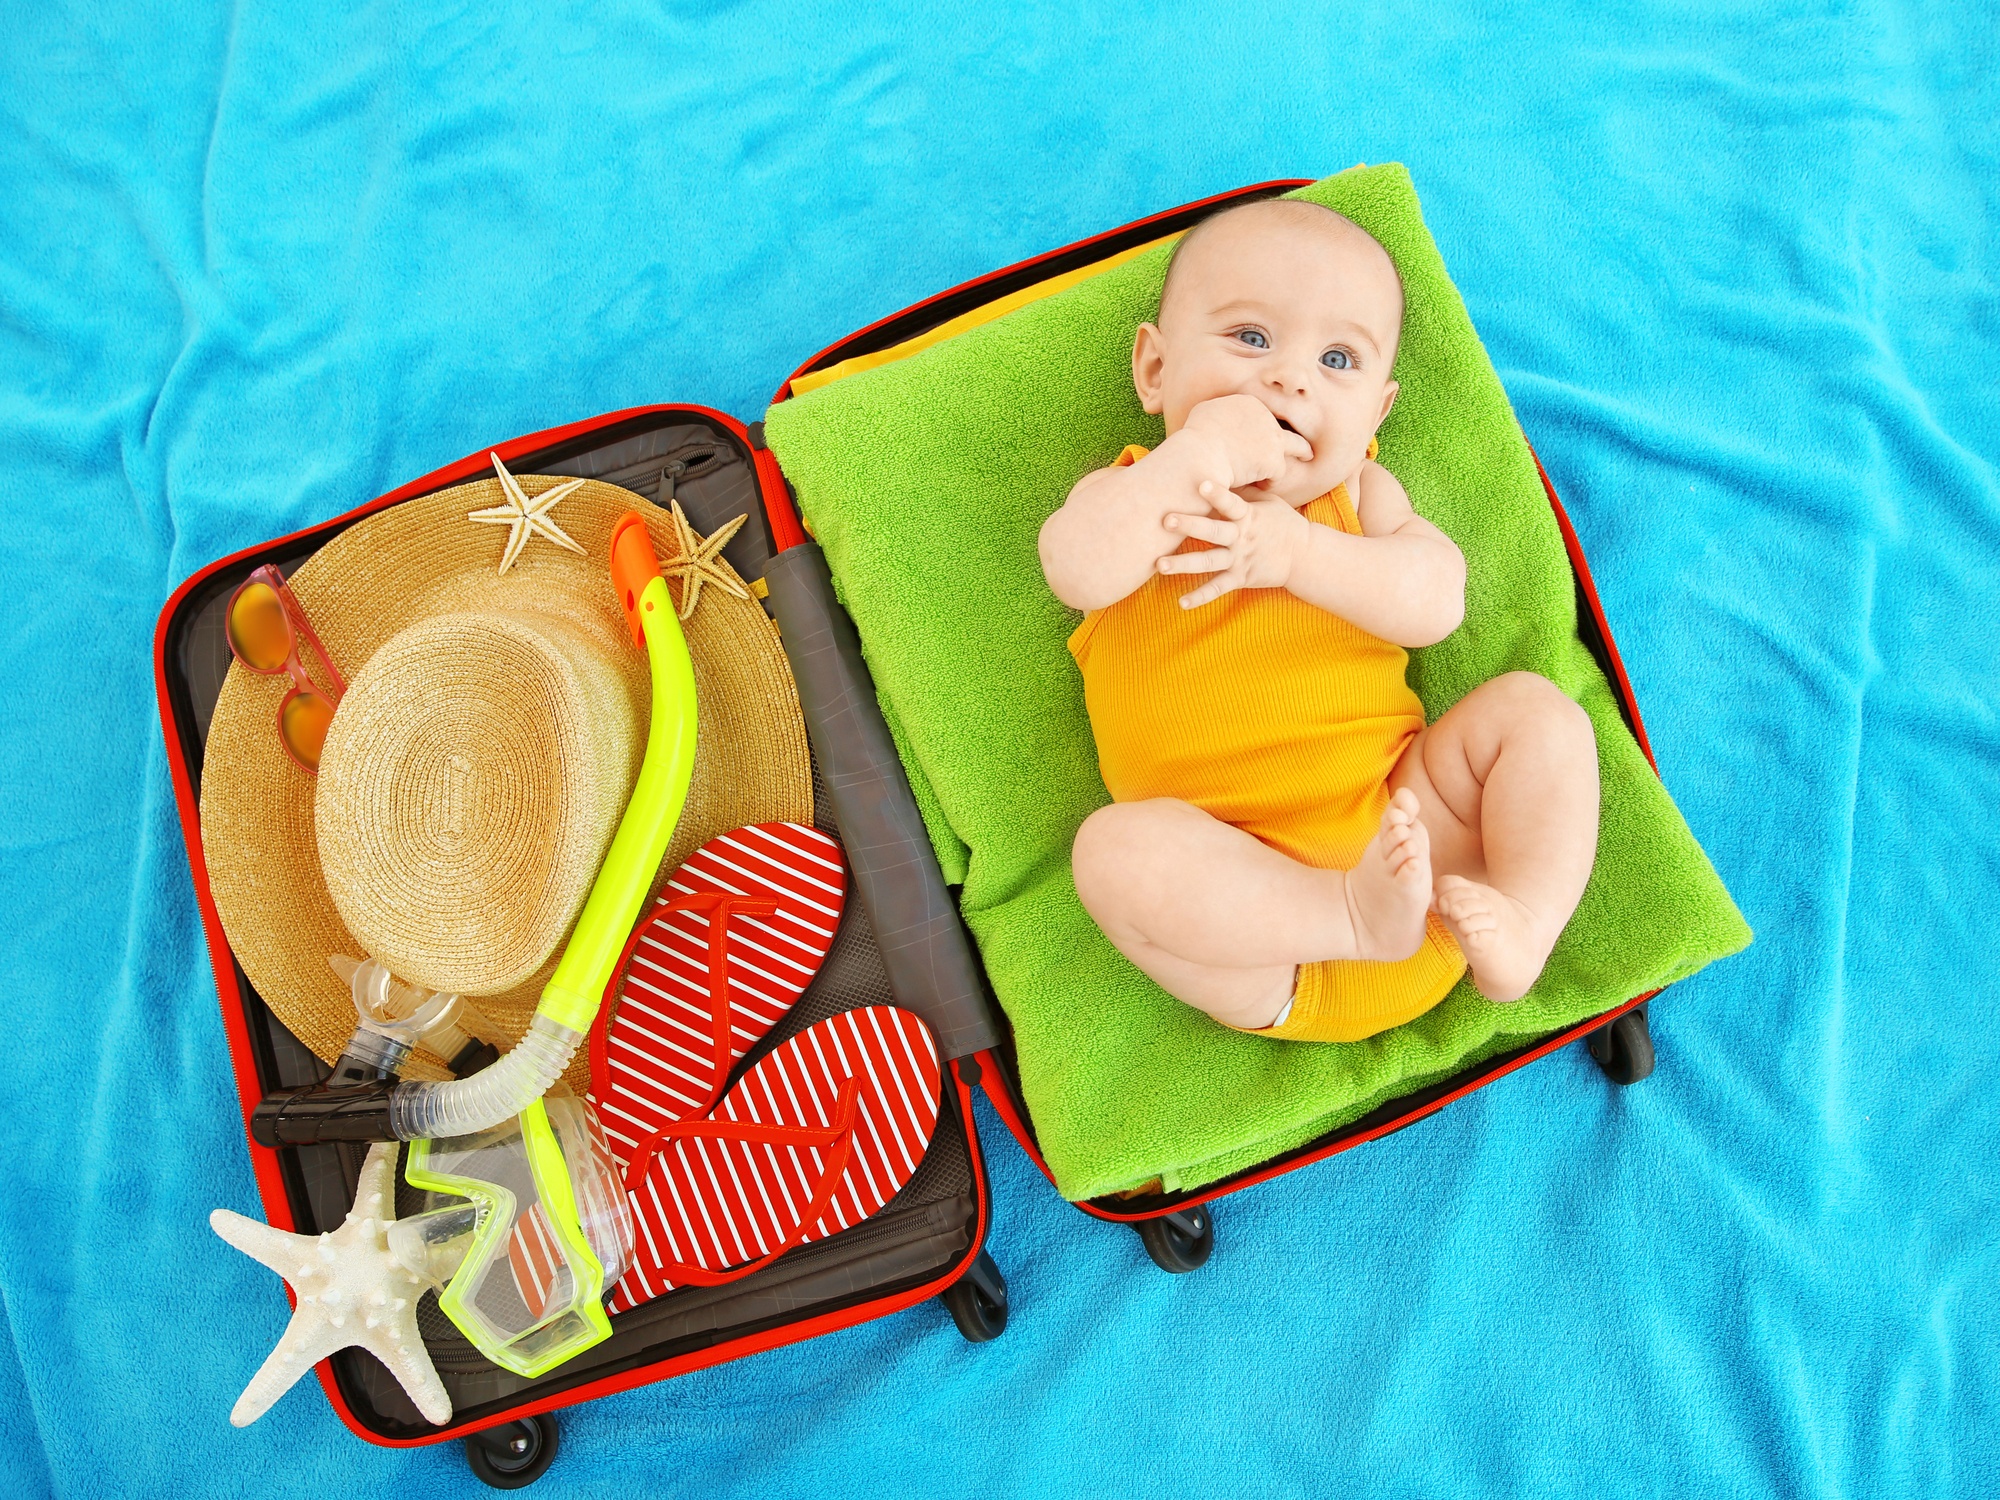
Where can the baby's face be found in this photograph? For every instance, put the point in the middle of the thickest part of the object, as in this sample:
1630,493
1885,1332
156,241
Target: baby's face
1301,311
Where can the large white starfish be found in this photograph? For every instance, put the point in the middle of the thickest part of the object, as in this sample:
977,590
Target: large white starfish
350,1290
523,517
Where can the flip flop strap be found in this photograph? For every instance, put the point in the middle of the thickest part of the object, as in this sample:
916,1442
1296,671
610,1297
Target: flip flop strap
750,1132
717,906
837,1139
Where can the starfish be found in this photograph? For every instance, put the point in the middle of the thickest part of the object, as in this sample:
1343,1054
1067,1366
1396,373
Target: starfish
351,1290
697,562
523,517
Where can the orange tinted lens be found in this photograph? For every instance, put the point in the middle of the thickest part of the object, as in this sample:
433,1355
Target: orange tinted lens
303,722
259,633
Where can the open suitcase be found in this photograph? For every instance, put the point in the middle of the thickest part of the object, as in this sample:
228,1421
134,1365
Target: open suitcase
901,942
925,1243
1177,1228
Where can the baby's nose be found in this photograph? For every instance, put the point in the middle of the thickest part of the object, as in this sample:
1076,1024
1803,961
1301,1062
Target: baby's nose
1288,375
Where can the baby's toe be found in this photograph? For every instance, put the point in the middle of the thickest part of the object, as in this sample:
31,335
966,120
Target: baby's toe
1459,899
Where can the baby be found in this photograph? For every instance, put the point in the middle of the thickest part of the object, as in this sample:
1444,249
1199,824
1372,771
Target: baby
1289,848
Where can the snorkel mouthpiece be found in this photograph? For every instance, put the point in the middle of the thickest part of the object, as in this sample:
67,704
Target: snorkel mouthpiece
352,1103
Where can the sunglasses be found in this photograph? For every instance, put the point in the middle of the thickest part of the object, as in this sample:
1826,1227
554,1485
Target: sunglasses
264,625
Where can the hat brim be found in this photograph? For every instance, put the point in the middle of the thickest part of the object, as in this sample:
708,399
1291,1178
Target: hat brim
422,558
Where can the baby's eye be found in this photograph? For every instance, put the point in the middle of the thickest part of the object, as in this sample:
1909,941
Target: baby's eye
1337,359
1254,337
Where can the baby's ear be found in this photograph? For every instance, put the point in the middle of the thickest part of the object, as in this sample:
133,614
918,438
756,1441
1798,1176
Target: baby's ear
1149,365
1389,393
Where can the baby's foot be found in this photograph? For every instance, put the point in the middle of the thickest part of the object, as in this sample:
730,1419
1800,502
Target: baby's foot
1501,938
1390,890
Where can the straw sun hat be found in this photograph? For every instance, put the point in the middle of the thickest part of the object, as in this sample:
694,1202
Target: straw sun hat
480,760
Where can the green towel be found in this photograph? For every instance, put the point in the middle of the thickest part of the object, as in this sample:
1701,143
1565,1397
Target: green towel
926,482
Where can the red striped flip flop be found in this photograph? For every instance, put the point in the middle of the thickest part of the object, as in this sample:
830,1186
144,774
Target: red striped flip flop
815,1138
728,948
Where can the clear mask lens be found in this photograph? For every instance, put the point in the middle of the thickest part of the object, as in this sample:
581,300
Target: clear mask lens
531,1229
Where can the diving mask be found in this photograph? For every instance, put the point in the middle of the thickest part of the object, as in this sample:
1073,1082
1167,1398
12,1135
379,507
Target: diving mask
529,1228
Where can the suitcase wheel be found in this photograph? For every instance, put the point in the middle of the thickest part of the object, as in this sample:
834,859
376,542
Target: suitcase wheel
1624,1049
513,1455
977,1301
1179,1241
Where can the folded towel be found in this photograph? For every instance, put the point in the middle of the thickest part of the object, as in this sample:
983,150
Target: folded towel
926,480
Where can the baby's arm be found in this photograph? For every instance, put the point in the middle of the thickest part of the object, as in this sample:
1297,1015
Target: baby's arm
1112,531
1402,579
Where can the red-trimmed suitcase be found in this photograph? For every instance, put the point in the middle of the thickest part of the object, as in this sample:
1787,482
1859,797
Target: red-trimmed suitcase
926,1242
1179,1232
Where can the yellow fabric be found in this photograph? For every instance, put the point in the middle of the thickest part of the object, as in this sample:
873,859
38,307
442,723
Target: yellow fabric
1278,718
986,314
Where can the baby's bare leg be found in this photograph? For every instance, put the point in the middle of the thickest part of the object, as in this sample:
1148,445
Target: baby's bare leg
1222,921
1507,780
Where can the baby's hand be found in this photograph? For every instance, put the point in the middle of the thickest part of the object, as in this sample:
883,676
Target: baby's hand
1245,438
1256,542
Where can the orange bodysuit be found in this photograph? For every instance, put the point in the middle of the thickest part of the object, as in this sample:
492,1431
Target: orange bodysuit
1278,718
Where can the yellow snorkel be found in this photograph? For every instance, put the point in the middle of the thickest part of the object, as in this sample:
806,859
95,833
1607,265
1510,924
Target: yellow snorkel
573,992
542,1224
570,999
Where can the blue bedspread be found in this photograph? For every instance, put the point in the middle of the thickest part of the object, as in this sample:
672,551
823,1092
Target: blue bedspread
1737,266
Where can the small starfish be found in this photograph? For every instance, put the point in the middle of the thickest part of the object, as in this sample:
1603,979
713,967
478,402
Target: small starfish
523,517
695,562
351,1290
